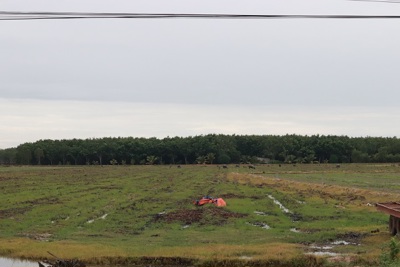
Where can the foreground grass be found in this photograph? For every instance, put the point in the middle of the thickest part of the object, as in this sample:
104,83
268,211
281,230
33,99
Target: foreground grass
125,213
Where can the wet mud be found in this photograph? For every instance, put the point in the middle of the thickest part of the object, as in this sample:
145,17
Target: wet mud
202,216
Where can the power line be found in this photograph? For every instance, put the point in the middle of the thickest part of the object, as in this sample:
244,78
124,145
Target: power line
14,15
379,1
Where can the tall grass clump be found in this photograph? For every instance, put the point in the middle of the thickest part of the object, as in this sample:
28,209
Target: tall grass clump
389,256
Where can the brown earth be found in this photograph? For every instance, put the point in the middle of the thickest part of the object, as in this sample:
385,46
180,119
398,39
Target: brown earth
9,213
202,215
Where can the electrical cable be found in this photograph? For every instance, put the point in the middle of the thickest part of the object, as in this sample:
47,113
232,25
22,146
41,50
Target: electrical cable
15,15
378,1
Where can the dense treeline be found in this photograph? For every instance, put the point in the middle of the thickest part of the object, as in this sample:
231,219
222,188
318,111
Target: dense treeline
210,149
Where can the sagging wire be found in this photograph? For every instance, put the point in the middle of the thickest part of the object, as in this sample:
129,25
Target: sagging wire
16,15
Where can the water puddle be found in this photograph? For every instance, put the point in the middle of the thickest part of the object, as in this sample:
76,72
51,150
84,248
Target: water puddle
343,243
283,208
7,262
100,218
323,253
260,224
321,247
326,250
245,257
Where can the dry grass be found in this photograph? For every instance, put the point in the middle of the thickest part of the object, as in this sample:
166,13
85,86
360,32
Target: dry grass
270,251
24,248
349,194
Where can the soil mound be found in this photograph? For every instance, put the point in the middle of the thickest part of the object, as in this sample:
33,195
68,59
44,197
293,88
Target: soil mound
203,216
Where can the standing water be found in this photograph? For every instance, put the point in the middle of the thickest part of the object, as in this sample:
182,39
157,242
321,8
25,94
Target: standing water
7,262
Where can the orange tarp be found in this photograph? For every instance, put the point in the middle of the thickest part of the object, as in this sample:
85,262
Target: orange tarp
203,201
219,202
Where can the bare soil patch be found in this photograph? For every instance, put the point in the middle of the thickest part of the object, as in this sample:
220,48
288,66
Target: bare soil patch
9,213
352,237
232,195
43,201
202,215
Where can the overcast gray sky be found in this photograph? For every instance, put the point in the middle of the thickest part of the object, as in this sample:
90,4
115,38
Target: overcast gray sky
179,77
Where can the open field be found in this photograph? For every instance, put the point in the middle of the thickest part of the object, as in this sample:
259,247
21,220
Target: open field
304,215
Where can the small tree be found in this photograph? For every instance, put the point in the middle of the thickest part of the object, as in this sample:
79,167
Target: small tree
224,159
210,158
201,160
151,160
290,159
39,154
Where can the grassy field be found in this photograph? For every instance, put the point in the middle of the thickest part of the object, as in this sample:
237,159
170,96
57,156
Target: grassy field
304,215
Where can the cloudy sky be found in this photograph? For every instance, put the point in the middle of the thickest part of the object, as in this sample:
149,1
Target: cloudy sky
62,79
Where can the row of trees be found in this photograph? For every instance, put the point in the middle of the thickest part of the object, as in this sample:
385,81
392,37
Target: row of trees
206,149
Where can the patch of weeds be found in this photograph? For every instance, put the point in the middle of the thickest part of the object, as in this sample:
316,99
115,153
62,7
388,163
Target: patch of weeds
5,251
304,261
389,256
59,217
296,217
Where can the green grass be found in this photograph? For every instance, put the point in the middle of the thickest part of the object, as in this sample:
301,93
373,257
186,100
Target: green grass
119,212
